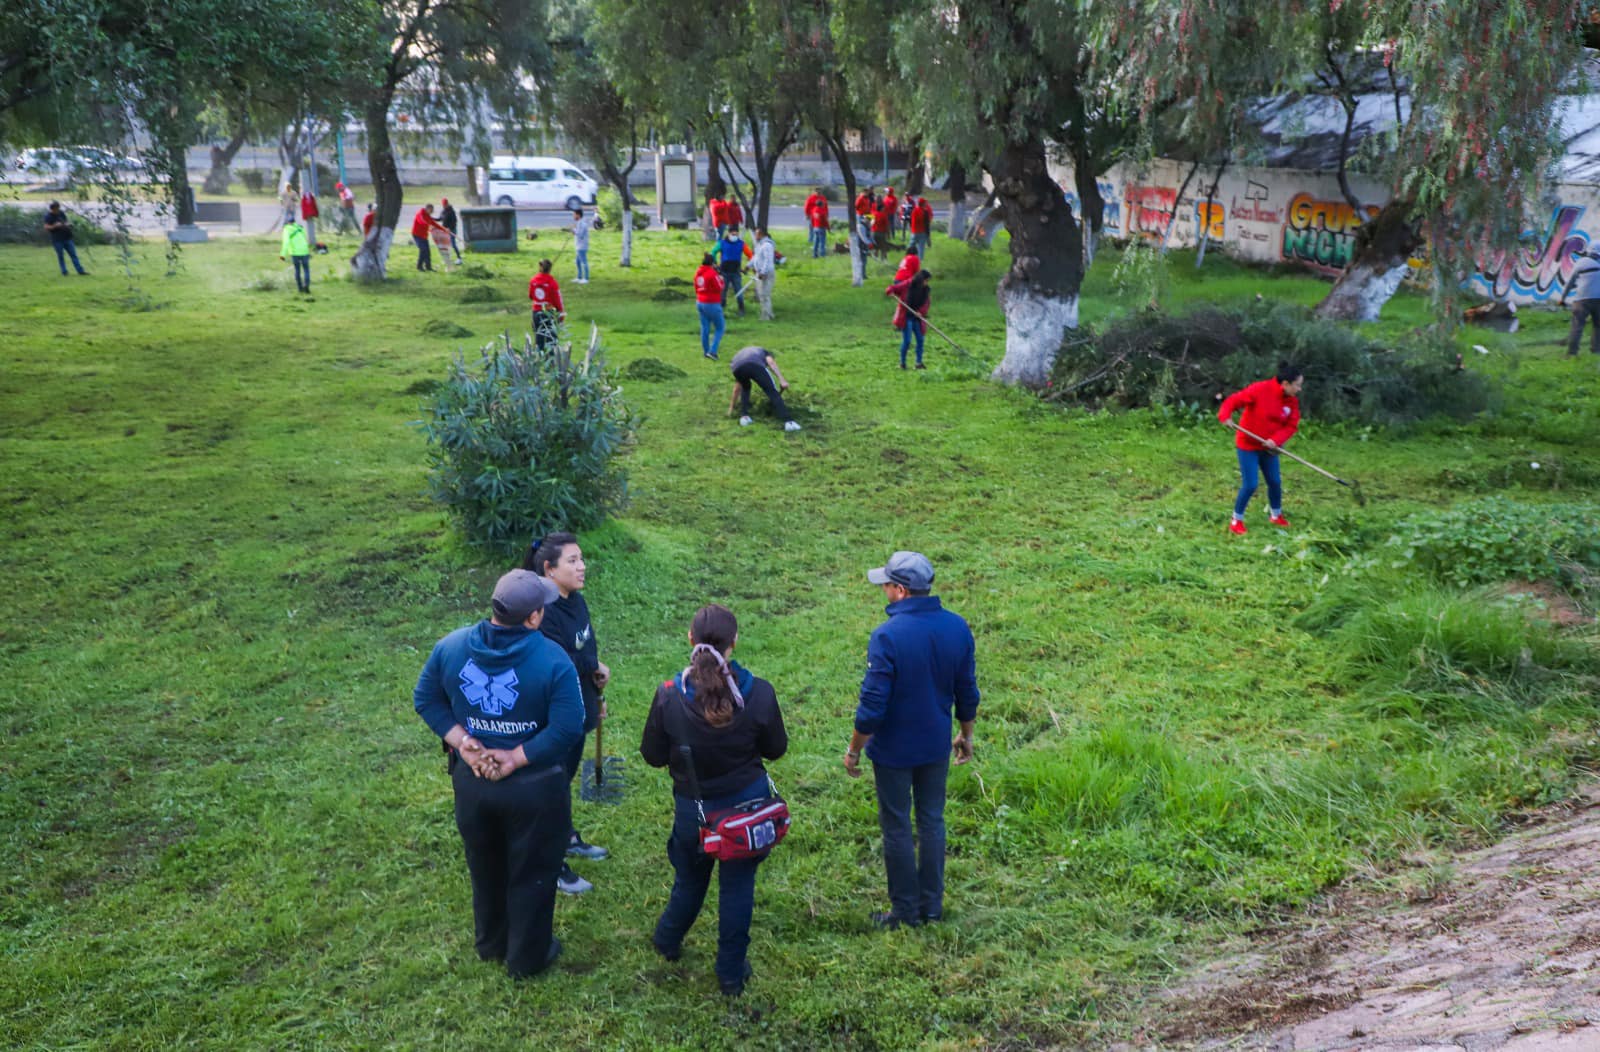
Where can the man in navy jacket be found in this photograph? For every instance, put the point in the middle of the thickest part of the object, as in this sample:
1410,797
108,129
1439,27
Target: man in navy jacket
506,701
921,667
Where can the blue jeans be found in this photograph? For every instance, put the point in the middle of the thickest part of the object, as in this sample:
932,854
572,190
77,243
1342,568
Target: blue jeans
913,325
302,272
1250,462
915,866
736,885
711,316
819,242
583,264
63,250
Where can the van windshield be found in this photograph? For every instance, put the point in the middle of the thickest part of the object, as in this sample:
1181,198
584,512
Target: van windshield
577,177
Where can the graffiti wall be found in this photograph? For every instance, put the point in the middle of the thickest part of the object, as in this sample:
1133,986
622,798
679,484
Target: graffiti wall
1300,218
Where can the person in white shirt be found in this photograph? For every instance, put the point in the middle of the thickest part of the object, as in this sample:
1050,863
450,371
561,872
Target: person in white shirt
764,264
581,225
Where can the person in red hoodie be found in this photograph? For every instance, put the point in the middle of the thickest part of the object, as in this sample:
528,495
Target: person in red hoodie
921,220
817,213
719,214
891,204
1270,411
735,213
545,292
422,228
708,285
913,299
880,229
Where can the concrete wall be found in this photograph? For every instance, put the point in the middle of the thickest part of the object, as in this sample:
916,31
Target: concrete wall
1277,215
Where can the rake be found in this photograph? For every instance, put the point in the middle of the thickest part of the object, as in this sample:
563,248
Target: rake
1351,484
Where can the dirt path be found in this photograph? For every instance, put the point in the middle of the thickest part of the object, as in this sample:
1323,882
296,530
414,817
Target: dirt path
1501,952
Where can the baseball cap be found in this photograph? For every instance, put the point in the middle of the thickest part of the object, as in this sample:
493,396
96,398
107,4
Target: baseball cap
911,569
521,593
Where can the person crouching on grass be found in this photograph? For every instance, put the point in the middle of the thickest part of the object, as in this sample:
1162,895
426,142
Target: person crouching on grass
727,721
1271,415
757,365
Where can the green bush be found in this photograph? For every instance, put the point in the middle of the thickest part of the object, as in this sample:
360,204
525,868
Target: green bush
25,226
1151,358
524,441
609,204
254,179
1493,539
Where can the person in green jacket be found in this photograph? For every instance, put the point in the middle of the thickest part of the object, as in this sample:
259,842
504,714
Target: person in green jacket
297,248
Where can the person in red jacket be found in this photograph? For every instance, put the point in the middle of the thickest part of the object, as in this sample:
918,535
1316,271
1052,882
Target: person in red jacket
719,214
880,229
422,228
817,213
891,204
921,222
1271,413
913,300
708,286
735,213
545,292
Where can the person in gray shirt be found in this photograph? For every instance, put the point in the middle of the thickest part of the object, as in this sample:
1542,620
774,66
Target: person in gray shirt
755,365
1585,288
581,225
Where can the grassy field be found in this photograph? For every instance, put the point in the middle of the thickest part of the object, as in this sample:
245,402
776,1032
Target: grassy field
227,828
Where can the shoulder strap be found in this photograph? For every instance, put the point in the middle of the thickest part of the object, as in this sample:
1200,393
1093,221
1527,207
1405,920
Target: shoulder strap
677,724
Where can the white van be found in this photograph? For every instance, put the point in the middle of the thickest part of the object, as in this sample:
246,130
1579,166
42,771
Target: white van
539,182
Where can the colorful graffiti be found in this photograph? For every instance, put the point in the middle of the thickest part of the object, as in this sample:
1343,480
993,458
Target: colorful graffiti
1542,270
1321,234
1210,220
1110,212
1149,210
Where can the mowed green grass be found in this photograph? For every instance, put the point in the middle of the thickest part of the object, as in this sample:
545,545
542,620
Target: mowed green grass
226,826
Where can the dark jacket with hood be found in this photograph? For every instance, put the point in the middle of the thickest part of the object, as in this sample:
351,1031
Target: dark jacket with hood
727,758
507,686
566,624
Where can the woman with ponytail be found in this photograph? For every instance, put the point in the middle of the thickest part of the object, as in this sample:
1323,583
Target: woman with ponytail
730,721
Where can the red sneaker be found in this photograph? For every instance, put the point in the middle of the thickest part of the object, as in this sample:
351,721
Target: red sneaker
1278,520
1235,526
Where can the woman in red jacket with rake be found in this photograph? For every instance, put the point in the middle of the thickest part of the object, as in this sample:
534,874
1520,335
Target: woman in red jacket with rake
1271,415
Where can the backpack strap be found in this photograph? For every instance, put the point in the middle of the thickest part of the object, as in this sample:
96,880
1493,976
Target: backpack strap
677,719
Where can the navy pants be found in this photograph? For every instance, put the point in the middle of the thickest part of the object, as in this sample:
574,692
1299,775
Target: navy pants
515,835
63,250
731,285
302,272
915,865
819,242
757,374
736,885
424,252
1251,463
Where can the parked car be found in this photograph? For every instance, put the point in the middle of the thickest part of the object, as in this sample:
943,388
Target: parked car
540,182
69,162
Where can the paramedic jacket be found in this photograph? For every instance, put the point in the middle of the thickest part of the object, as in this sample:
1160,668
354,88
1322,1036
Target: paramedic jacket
921,664
508,686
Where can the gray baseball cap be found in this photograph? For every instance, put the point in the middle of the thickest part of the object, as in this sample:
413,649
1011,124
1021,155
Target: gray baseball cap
521,593
911,569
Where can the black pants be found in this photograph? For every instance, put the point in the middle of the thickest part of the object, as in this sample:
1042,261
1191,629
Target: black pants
515,835
731,285
1584,310
749,373
544,328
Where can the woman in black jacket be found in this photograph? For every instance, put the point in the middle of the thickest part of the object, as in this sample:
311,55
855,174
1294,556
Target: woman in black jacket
566,623
730,721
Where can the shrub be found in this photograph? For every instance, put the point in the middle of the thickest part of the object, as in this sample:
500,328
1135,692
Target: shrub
254,179
1151,358
1493,539
25,226
524,441
609,204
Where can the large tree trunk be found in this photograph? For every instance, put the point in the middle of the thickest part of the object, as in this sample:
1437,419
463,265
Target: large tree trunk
915,181
957,185
834,140
371,261
221,174
618,178
178,188
1039,294
1378,264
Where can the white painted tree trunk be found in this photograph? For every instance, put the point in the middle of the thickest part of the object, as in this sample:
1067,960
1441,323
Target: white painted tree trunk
1090,243
858,261
1035,326
1362,291
627,239
958,220
371,261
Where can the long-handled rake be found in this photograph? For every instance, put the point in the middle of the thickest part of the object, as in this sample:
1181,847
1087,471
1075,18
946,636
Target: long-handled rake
1351,484
598,784
962,351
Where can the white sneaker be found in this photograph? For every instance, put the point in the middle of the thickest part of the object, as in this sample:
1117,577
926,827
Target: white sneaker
791,425
572,884
744,421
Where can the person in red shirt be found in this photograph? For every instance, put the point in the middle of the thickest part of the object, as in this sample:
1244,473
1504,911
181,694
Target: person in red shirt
911,315
909,266
880,230
817,213
545,292
708,286
735,213
921,221
368,220
719,215
422,228
1271,413
891,203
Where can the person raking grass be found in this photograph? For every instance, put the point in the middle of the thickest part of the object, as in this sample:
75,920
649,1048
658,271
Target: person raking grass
1269,409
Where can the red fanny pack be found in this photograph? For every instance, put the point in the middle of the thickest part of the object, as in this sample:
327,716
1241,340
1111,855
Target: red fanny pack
747,830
